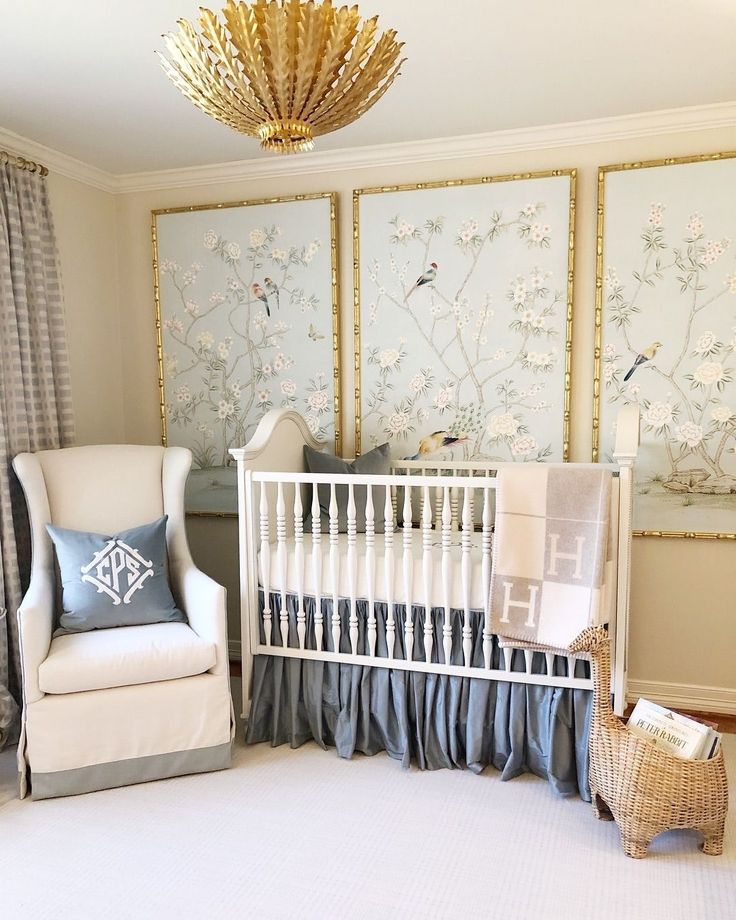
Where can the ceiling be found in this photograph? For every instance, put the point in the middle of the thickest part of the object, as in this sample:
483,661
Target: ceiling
80,76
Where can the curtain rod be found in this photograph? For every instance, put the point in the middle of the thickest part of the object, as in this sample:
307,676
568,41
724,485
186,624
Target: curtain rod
23,163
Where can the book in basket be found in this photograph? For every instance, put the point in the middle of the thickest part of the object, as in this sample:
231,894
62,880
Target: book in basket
680,735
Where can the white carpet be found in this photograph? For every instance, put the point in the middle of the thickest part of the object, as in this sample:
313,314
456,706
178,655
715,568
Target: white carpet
304,834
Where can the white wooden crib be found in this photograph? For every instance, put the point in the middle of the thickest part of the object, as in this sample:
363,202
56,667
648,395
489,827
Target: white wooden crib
427,544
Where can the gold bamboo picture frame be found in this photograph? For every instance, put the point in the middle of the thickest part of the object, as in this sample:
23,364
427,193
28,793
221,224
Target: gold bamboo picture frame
665,337
453,357
247,320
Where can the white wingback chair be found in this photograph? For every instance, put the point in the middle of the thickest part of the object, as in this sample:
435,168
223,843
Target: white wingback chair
112,707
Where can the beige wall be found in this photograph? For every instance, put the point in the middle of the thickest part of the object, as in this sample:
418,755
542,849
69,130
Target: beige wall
85,227
683,628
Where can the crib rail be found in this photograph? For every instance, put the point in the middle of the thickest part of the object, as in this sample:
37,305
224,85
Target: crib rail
393,544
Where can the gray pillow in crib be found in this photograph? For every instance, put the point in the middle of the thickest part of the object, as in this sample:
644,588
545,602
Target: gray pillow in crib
376,462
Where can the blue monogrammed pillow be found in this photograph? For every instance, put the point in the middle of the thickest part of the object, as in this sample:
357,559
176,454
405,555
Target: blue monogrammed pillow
118,580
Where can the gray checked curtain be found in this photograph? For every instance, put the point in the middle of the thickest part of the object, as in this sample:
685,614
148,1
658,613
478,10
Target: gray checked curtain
35,391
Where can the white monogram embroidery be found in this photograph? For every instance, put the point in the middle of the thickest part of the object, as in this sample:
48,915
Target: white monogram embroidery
530,608
555,555
118,570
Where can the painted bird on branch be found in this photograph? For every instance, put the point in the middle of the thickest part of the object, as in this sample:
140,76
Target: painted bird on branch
642,358
434,442
425,278
258,292
272,289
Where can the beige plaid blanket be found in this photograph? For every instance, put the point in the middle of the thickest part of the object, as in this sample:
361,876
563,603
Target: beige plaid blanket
552,554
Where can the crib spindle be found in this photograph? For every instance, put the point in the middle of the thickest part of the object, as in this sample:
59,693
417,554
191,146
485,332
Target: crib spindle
466,575
317,568
508,654
486,576
301,616
427,572
388,569
282,560
370,569
446,573
408,563
549,660
352,570
334,570
265,562
528,657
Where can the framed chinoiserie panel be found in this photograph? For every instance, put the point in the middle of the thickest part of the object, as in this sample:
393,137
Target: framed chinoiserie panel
247,320
666,336
463,317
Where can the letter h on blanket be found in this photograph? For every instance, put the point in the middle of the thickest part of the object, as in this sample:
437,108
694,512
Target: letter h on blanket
553,554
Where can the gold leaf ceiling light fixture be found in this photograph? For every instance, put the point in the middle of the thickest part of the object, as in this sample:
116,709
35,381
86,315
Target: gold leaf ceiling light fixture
284,71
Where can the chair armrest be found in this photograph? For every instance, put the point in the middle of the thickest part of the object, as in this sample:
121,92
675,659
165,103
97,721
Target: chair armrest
35,625
205,604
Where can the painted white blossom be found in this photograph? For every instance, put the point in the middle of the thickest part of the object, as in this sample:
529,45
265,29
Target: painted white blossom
398,422
318,401
707,344
169,266
267,370
709,372
529,210
539,322
689,433
263,396
731,282
389,357
499,354
235,390
610,279
189,277
467,230
233,250
278,255
288,387
714,249
504,425
281,326
172,366
260,319
722,414
634,389
216,298
174,324
183,394
519,293
417,383
312,422
695,225
524,446
527,316
609,352
192,307
435,309
444,397
609,371
658,414
404,229
225,410
210,239
257,237
536,280
206,340
655,214
223,349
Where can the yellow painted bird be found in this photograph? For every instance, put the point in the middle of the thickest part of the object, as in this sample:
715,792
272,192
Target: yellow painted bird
433,442
425,278
258,292
642,358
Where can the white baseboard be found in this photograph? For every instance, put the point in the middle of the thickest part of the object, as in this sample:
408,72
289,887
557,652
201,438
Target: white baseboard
684,696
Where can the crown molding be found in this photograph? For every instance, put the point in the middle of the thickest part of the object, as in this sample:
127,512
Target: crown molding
494,143
58,162
569,134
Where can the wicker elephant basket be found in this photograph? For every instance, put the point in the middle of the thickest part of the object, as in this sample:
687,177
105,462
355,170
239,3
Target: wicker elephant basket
644,789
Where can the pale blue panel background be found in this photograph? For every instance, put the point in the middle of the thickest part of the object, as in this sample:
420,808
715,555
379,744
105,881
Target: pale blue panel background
665,315
225,361
526,427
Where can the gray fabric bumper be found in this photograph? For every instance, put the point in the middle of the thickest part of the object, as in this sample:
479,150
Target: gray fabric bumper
128,772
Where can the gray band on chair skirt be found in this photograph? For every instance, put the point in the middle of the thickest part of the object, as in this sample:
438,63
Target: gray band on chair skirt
128,772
